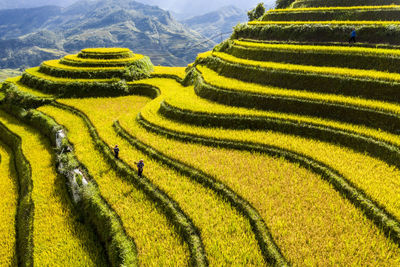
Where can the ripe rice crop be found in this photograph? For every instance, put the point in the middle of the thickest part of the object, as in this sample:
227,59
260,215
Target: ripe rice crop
211,77
332,22
321,48
24,88
58,238
156,241
174,71
231,167
373,176
336,8
8,207
57,64
105,50
274,187
345,72
220,225
35,72
75,58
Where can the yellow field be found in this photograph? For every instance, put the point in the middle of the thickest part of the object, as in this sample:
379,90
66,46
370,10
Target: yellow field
57,236
329,22
8,207
345,72
106,50
211,77
150,230
57,64
321,48
77,59
177,71
289,10
375,177
35,72
302,234
227,236
27,89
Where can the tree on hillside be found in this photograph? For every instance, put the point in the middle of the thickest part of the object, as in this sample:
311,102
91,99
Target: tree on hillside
257,12
283,3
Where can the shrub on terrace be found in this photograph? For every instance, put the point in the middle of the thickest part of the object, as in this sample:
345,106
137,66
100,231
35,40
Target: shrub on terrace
257,12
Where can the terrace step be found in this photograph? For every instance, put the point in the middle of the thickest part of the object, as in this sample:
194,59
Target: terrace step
341,3
387,60
233,92
350,82
368,13
371,32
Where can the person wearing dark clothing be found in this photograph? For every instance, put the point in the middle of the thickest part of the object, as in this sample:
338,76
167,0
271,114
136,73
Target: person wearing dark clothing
140,166
353,35
116,151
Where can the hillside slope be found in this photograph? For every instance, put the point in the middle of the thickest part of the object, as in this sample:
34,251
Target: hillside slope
142,28
214,23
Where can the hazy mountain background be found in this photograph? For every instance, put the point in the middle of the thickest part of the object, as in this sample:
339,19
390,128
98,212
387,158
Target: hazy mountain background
184,9
217,25
33,34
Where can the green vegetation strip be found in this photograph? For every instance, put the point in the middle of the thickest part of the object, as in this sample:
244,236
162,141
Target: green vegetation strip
26,89
360,83
350,14
14,96
374,33
105,53
345,8
334,56
370,208
25,211
74,60
56,69
270,251
72,87
178,218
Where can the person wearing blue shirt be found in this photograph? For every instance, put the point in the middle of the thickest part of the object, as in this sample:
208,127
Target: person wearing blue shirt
353,35
116,151
140,166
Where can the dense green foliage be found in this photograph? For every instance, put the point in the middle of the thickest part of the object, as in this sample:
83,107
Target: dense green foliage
257,12
283,3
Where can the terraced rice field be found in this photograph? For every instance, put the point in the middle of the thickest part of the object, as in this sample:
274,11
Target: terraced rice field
8,207
140,218
231,167
57,234
223,222
276,148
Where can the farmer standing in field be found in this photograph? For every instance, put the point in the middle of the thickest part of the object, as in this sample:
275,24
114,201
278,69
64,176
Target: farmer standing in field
140,166
116,151
353,35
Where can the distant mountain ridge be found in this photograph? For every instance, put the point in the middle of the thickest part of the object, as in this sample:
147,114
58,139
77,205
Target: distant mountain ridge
213,24
7,4
50,31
